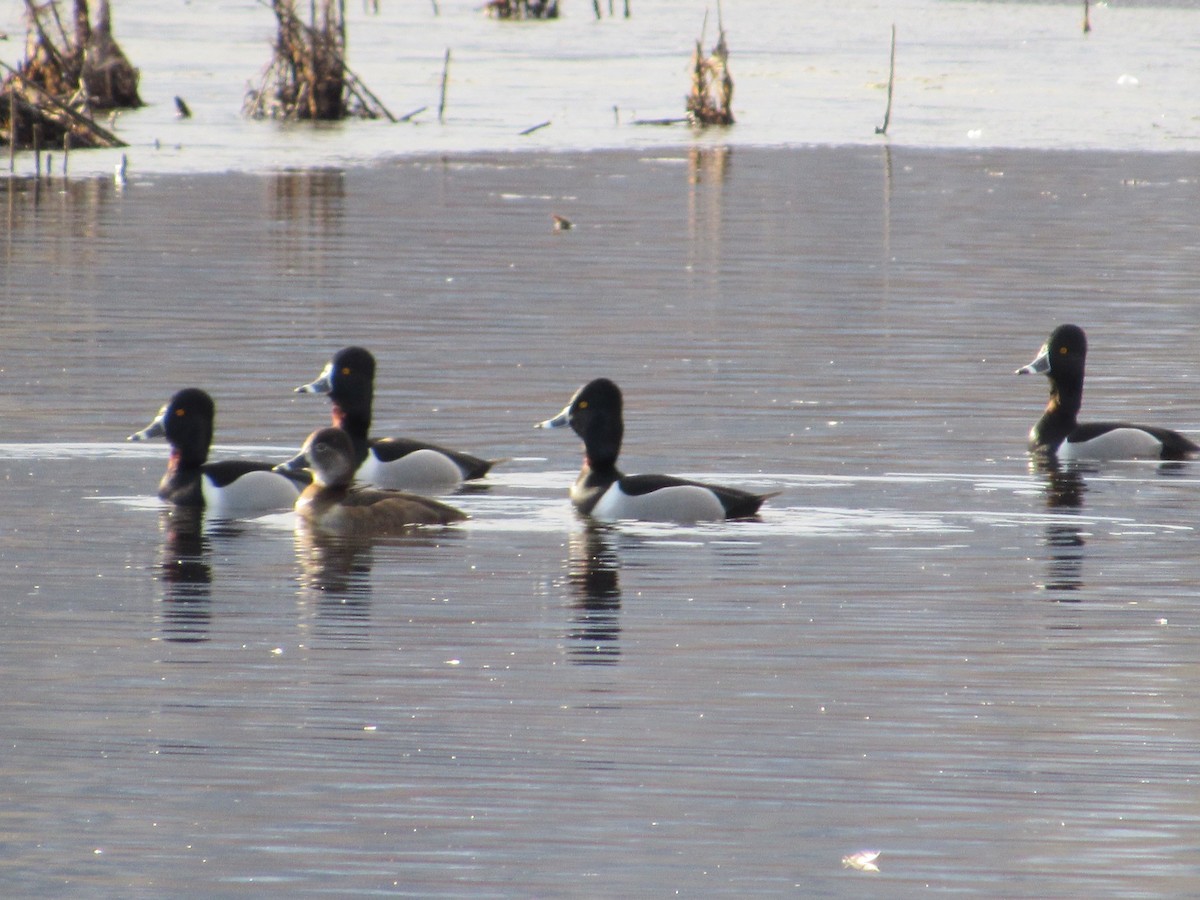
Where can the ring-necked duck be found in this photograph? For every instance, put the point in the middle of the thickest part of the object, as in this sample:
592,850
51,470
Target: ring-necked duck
349,380
333,503
603,492
226,488
1058,432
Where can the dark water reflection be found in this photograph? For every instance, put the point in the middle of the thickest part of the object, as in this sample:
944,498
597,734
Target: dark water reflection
1065,490
594,584
525,706
336,584
186,576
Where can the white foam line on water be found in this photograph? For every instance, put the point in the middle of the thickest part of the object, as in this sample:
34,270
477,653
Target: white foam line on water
508,473
155,449
132,502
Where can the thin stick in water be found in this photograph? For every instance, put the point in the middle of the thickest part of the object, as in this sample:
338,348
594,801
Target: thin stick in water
445,76
534,128
887,113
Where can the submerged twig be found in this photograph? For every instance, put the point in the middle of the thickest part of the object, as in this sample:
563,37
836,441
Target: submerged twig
682,121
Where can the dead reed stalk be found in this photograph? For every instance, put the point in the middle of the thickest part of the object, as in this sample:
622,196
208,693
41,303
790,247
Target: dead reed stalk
308,77
711,99
52,93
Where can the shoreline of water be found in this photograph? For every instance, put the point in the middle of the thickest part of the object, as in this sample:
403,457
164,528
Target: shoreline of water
969,75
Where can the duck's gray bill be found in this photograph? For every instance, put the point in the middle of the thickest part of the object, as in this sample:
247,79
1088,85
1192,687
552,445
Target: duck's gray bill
560,421
1039,366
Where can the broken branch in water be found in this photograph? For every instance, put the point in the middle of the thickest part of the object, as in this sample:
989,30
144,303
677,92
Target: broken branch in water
41,110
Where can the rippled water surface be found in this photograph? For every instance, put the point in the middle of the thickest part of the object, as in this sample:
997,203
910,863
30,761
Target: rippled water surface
923,646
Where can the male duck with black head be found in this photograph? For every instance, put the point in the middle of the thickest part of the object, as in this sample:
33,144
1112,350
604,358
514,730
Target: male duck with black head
1059,435
403,463
227,488
333,504
603,492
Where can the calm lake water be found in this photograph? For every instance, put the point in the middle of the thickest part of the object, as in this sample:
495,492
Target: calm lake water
924,646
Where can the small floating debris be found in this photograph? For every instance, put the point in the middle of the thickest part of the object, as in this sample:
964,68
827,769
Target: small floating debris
863,860
182,108
561,223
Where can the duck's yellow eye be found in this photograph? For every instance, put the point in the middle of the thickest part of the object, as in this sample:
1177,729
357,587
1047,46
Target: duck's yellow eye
345,370
1062,351
180,413
582,404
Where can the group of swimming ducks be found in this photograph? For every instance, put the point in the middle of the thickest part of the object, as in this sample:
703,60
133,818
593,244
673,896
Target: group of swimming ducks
345,481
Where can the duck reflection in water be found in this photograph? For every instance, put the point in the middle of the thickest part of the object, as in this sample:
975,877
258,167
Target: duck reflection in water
594,590
185,573
336,580
1064,488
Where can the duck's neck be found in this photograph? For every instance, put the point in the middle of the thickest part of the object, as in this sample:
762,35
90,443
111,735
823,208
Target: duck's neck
594,479
1060,416
181,482
602,444
357,425
181,460
601,465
